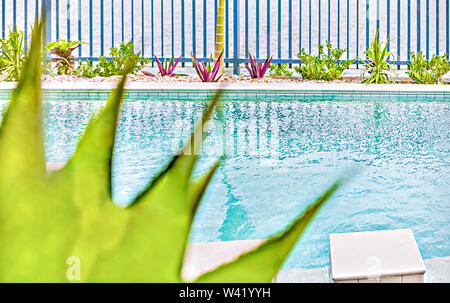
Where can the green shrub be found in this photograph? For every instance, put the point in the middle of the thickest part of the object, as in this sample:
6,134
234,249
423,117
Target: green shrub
324,66
277,70
50,222
424,71
115,66
378,70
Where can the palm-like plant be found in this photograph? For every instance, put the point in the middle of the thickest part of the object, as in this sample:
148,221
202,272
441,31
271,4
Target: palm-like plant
378,69
49,219
64,49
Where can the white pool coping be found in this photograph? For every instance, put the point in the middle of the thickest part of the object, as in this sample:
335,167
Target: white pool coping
202,257
248,87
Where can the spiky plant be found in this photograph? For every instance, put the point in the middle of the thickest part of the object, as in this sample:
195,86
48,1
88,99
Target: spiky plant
49,219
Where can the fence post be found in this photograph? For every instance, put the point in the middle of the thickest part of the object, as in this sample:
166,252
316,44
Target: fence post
47,7
236,37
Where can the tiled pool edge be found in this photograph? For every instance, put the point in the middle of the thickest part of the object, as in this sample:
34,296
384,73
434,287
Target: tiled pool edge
139,90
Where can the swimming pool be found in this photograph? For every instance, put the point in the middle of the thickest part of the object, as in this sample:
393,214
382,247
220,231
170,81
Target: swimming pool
282,153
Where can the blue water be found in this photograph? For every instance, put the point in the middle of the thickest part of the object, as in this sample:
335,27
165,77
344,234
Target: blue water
282,154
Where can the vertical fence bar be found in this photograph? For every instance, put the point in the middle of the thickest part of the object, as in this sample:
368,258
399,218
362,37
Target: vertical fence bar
193,28
329,20
319,25
162,29
398,32
143,29
290,33
102,29
309,29
132,21
123,22
339,24
409,29
300,27
388,22
153,29
348,29
279,30
25,23
3,18
246,28
357,32
418,26
15,15
182,32
112,23
447,21
173,29
437,27
257,29
79,27
68,20
236,19
268,27
427,31
367,24
227,32
205,28
47,6
57,18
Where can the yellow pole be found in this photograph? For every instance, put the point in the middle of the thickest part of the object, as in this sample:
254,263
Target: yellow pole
220,35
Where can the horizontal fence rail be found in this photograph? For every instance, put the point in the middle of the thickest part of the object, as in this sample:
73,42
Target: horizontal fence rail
278,28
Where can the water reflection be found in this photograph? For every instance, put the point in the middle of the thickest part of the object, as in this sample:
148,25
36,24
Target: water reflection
280,156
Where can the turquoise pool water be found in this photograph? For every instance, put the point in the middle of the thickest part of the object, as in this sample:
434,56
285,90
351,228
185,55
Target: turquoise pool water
283,153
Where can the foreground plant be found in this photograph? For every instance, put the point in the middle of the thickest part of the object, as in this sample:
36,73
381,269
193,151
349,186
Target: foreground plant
207,72
63,226
65,61
324,66
257,69
424,71
166,68
378,69
279,70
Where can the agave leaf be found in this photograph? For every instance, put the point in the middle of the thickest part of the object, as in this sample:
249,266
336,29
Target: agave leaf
29,237
169,203
262,263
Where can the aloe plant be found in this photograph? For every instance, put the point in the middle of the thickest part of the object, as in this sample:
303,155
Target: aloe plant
166,68
49,220
207,72
378,69
257,69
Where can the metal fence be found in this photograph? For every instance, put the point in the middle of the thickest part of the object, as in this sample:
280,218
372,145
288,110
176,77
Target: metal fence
280,28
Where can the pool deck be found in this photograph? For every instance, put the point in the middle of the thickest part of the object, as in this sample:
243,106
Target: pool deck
243,88
202,257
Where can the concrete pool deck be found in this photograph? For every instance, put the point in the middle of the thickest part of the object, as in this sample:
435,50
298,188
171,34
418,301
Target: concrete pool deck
202,257
80,89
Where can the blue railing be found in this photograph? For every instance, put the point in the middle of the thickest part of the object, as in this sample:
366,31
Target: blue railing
280,28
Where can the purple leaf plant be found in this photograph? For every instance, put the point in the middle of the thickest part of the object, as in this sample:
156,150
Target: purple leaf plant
207,72
166,68
257,69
